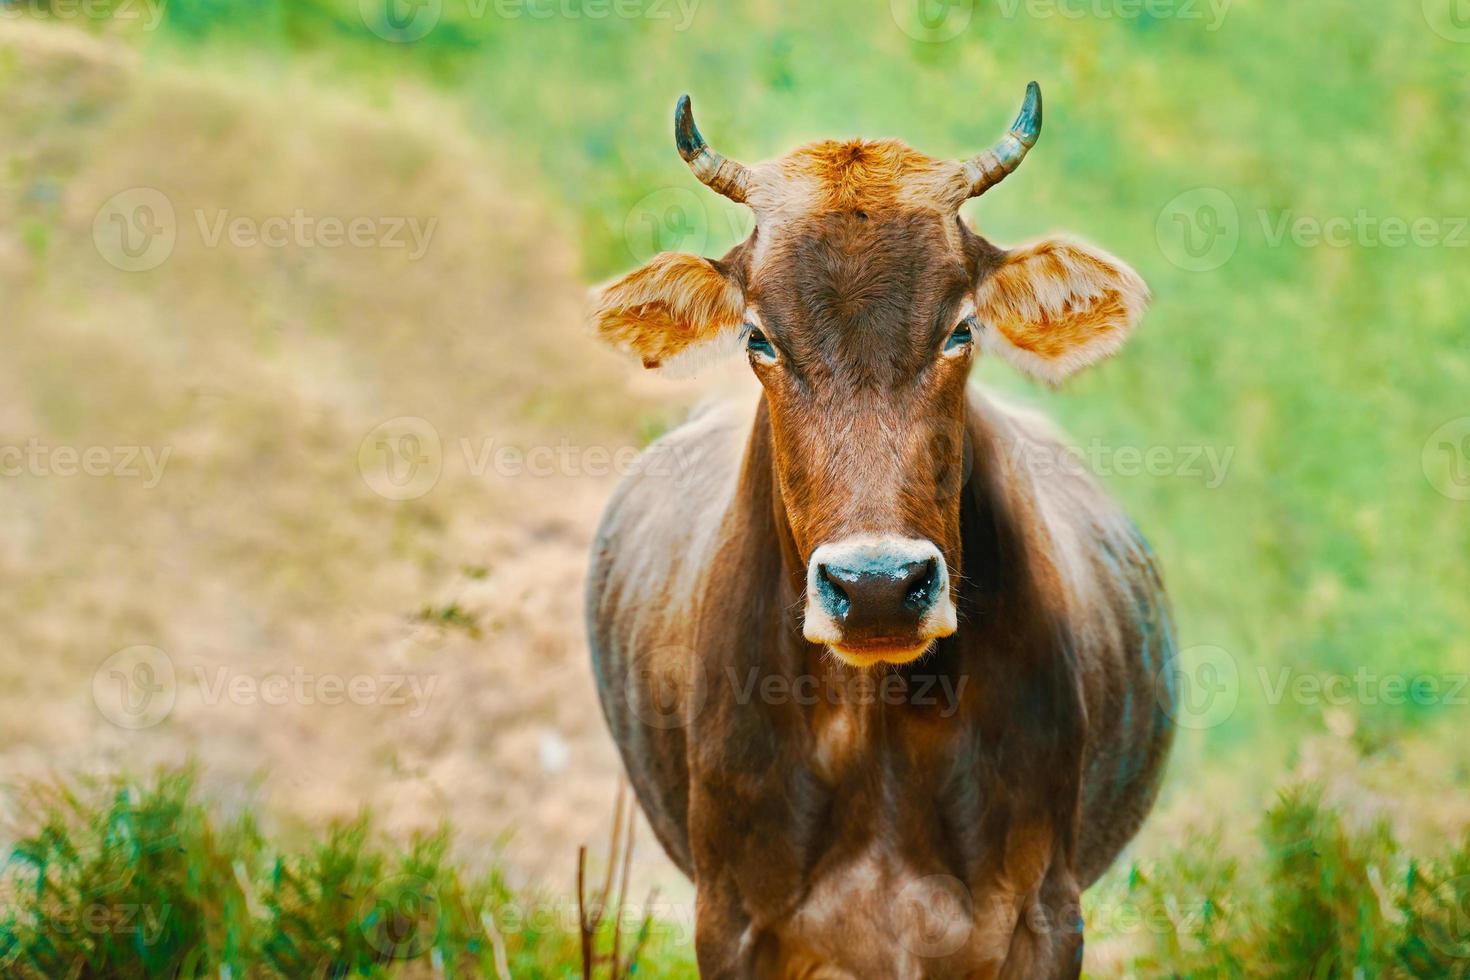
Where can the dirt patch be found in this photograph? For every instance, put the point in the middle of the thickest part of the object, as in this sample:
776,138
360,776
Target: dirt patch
259,416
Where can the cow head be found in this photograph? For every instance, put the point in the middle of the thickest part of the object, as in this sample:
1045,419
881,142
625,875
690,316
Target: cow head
861,300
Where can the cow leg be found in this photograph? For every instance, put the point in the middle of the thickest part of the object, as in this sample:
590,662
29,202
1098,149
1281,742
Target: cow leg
1048,938
722,932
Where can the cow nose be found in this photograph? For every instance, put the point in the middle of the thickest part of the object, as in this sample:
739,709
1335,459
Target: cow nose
878,594
875,598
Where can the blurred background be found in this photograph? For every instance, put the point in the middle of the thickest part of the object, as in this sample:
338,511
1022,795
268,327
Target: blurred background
302,438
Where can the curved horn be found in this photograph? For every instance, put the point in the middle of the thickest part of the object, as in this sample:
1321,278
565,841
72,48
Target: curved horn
724,176
984,171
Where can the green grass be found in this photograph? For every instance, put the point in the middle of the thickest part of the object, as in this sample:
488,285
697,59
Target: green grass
1321,901
147,879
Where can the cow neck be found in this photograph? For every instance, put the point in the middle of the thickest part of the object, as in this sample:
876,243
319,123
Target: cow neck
1000,569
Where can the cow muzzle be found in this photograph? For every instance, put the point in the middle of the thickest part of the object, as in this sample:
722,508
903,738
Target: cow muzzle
878,600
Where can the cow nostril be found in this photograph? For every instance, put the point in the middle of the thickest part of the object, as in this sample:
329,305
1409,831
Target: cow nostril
837,598
920,592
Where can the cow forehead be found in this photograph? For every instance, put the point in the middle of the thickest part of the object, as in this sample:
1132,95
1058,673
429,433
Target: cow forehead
855,174
878,201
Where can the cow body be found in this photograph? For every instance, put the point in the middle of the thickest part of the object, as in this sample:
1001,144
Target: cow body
933,819
889,674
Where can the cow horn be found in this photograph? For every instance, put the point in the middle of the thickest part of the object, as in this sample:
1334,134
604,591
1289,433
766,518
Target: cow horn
984,171
724,176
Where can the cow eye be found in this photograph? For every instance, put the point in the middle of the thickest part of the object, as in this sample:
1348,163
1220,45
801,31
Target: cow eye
760,345
963,336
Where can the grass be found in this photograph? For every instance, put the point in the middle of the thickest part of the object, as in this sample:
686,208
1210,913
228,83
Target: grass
147,879
144,879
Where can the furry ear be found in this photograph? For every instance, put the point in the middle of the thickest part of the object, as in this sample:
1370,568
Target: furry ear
1055,306
674,309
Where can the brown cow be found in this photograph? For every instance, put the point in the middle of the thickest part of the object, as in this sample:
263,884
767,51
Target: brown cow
885,686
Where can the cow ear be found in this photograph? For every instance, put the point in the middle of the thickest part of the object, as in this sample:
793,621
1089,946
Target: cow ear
673,310
1053,307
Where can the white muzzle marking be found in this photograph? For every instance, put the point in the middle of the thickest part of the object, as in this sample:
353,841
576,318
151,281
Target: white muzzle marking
878,553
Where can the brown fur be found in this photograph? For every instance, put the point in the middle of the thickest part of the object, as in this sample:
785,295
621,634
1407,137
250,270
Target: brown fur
823,834
1058,306
661,309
